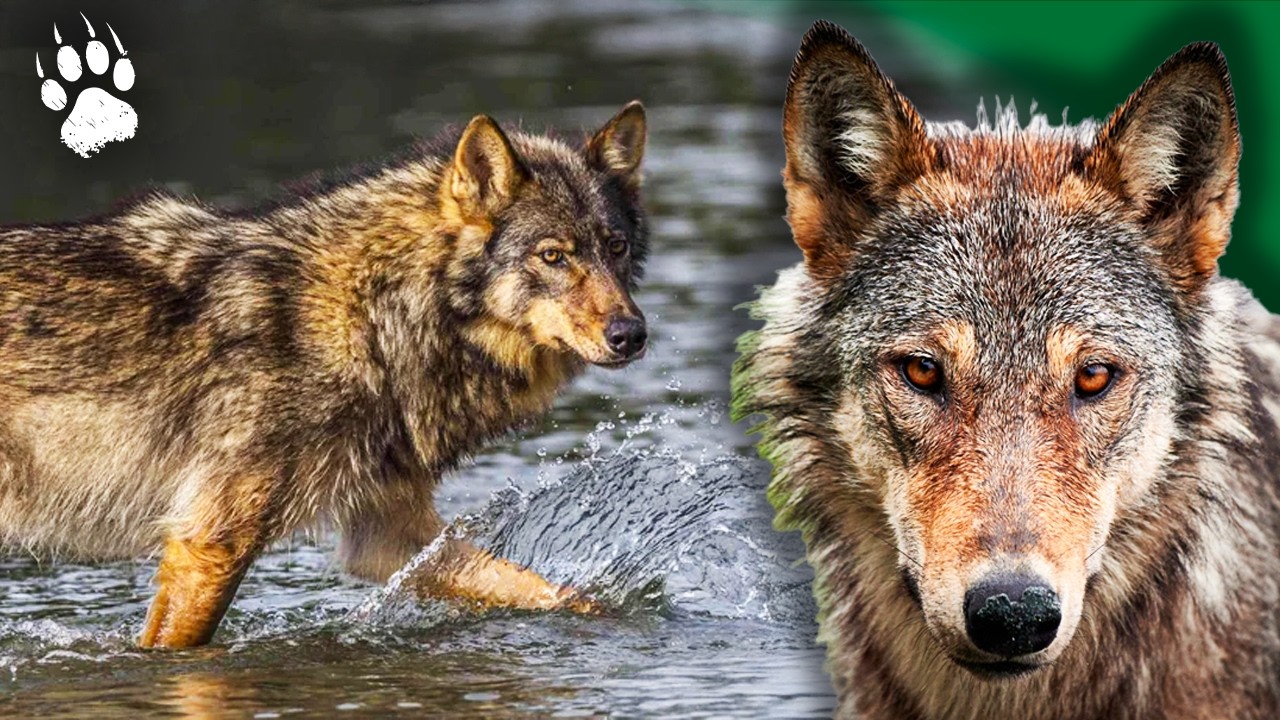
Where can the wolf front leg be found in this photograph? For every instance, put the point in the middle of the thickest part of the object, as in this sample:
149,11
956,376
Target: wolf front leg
462,571
377,541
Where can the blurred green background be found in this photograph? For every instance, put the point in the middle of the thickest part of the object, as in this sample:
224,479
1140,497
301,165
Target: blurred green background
1085,56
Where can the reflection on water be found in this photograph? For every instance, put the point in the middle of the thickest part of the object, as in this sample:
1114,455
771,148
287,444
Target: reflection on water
625,488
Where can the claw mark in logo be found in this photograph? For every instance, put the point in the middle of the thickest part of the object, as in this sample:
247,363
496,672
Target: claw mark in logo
97,117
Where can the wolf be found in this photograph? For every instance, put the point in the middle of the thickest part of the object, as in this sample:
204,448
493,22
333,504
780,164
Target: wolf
180,379
1027,431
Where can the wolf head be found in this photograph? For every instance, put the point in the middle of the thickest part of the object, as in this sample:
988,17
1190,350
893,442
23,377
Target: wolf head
550,240
982,362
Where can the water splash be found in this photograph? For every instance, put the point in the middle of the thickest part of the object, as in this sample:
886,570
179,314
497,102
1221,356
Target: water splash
25,643
642,533
395,604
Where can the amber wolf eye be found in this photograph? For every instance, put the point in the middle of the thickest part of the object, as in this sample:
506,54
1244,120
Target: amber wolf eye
618,247
1093,380
922,374
551,256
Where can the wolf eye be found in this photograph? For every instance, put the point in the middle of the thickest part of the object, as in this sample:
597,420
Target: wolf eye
922,374
1094,379
551,256
617,247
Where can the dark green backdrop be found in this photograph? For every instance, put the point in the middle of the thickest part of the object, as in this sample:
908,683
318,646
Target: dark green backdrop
1089,56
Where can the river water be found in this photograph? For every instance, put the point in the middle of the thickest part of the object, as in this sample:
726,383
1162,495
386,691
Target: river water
636,487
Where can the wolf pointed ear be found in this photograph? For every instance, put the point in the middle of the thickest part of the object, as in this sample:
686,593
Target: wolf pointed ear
618,147
1172,151
486,170
849,135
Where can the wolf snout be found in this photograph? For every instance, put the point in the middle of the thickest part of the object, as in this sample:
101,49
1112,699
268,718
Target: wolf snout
626,336
1012,615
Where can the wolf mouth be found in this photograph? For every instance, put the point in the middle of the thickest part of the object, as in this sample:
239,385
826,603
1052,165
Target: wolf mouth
619,363
1002,670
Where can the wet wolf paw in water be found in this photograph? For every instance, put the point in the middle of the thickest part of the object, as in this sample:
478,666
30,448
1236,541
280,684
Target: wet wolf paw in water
97,117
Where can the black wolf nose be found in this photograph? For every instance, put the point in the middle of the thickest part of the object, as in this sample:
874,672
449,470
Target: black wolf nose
626,335
1012,615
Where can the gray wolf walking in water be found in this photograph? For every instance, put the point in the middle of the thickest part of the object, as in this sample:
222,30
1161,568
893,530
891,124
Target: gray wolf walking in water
175,378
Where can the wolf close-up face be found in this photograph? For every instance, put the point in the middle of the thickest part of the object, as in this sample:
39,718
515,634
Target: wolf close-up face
978,385
565,239
1011,354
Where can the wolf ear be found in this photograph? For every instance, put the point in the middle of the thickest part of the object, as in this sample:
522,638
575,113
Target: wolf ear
849,135
618,147
1172,151
486,171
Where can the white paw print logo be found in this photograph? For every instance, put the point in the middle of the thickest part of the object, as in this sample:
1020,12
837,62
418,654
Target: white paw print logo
97,117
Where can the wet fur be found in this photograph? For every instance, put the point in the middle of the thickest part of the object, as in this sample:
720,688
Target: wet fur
176,376
1015,253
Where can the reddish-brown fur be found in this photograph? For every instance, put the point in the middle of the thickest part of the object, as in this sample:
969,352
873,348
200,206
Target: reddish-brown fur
1087,462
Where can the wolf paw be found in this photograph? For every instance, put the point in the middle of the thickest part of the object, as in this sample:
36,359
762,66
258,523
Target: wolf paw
97,117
